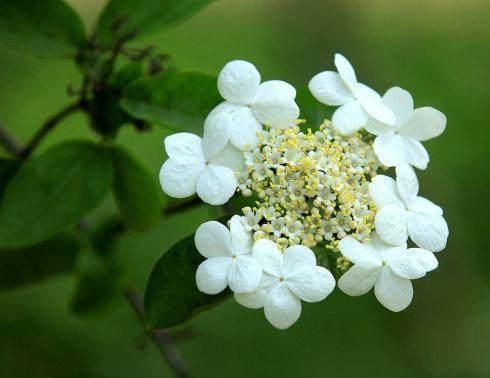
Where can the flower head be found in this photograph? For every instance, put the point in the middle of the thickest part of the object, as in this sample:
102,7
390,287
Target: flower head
357,101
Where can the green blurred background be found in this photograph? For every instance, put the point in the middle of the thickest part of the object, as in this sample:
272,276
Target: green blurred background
437,49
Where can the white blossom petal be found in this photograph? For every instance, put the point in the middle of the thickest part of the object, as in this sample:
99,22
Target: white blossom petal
426,258
244,127
358,252
400,101
346,71
359,279
378,128
179,180
349,118
270,257
282,308
391,224
244,274
216,185
424,124
311,283
329,88
407,183
229,157
256,299
393,292
428,231
373,105
385,250
406,265
295,257
241,239
383,191
276,88
389,149
423,205
212,275
275,110
238,82
213,239
217,128
415,153
185,148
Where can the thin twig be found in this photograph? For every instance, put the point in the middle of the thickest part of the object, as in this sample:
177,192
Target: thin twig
160,338
9,142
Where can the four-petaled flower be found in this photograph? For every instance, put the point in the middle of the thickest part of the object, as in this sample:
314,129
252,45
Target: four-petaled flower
357,101
251,104
288,278
401,213
228,258
388,268
401,144
202,166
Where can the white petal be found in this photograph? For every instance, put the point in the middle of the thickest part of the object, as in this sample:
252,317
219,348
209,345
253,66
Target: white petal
217,129
393,292
212,275
391,224
275,110
407,183
406,265
329,88
213,239
349,118
184,148
244,274
346,71
238,82
428,231
269,256
426,258
216,185
389,149
423,205
385,250
241,239
400,101
374,106
256,299
378,128
358,252
383,191
244,126
424,124
311,283
415,153
295,257
359,279
282,308
276,88
179,180
229,157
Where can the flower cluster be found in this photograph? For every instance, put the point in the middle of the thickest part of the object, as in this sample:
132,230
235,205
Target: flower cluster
310,188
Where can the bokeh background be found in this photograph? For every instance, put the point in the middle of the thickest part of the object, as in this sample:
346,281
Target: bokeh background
437,49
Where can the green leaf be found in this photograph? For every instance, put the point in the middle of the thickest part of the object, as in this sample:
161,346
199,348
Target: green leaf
53,191
178,100
8,167
136,191
30,265
311,109
172,296
127,74
144,17
49,28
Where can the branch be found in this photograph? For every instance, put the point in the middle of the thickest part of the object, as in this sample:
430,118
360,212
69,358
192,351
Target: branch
9,142
160,338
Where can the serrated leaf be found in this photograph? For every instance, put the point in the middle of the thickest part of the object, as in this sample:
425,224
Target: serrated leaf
136,191
48,28
53,191
177,100
144,17
32,264
172,296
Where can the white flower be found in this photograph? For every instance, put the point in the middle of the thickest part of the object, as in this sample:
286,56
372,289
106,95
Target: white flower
228,258
288,278
357,101
388,268
401,144
202,166
251,104
401,213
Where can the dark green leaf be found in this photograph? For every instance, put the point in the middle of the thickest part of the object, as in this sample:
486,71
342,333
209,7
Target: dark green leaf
8,167
52,191
176,100
49,28
144,17
312,110
171,295
29,265
127,74
136,191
